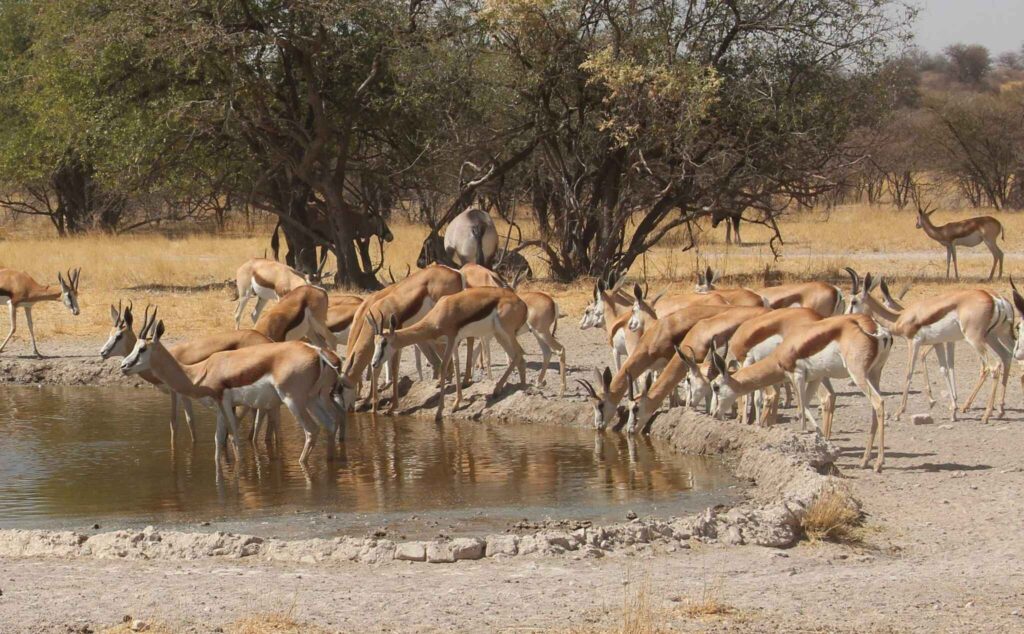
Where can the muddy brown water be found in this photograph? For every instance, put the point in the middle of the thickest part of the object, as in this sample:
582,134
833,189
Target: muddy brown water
71,457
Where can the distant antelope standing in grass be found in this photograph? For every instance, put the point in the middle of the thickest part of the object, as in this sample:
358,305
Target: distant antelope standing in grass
18,289
965,233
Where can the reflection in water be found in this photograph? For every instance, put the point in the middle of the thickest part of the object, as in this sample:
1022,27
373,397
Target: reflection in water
104,453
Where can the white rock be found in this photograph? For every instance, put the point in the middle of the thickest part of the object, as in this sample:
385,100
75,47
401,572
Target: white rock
502,545
467,548
411,551
440,553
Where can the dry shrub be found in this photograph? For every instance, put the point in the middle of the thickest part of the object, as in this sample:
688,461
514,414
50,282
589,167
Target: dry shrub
832,516
274,623
708,603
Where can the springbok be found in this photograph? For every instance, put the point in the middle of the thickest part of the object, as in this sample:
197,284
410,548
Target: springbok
469,237
265,280
825,299
409,300
853,346
303,377
964,233
341,309
122,340
699,341
734,296
644,313
474,312
655,349
977,316
609,299
18,289
302,312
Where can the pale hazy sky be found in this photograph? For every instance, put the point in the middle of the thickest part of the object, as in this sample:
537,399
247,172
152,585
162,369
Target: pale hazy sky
997,24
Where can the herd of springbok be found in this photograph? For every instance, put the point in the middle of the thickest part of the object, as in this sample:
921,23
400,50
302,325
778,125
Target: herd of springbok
724,349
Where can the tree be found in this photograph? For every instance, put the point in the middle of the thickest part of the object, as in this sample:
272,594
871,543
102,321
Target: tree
651,116
970,63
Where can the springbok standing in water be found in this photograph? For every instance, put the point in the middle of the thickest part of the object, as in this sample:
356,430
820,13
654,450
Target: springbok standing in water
965,233
303,377
19,289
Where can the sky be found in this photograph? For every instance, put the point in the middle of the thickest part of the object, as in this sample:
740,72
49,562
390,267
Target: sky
997,24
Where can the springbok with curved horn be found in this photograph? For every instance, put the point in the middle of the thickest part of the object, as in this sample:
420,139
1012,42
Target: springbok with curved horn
699,341
409,300
979,317
608,301
122,340
852,346
654,351
706,283
302,377
265,280
474,312
964,233
18,289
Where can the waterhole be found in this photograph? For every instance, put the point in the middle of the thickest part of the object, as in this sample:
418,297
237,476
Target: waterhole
74,457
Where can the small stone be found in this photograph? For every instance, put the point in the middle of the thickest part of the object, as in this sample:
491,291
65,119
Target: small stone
945,426
411,551
139,625
467,548
502,545
631,515
95,526
440,553
922,419
204,523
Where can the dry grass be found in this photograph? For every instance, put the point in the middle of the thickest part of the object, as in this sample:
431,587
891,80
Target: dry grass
185,275
833,516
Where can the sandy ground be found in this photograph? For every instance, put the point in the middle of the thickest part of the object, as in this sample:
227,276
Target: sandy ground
941,550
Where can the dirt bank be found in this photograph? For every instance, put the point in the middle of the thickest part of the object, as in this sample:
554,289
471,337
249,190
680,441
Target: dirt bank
941,549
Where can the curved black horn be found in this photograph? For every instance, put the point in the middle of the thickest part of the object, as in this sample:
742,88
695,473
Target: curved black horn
588,387
854,279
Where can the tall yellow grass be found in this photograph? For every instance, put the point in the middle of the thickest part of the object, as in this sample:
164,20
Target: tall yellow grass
187,275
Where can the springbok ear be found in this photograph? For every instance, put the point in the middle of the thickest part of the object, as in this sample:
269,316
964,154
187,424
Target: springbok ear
869,283
60,280
115,316
159,331
78,276
598,288
1018,301
606,378
393,322
648,382
709,276
638,293
128,317
714,276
